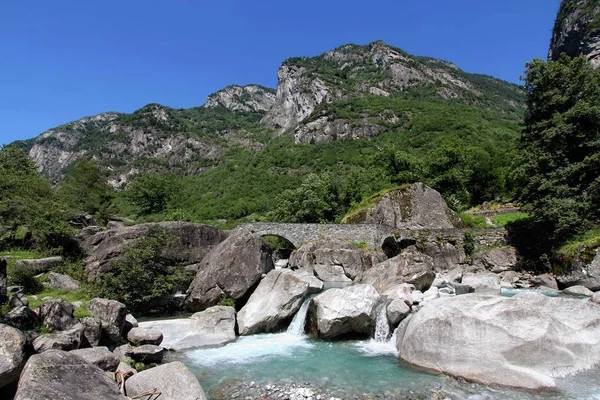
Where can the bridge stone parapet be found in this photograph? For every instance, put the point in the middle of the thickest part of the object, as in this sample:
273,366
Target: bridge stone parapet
372,234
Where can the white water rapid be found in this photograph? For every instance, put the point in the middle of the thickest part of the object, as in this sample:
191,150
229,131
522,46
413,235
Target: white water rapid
297,325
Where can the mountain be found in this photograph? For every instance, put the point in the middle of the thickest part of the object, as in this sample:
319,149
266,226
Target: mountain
352,92
577,31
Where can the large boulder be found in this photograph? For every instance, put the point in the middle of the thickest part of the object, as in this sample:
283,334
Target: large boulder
583,273
410,267
23,318
92,330
214,326
343,312
193,242
273,304
415,207
71,339
40,265
483,283
524,341
62,282
232,268
112,315
57,314
496,260
101,357
140,336
174,381
13,354
65,376
325,254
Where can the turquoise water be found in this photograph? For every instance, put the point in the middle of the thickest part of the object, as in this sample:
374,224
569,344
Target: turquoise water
343,368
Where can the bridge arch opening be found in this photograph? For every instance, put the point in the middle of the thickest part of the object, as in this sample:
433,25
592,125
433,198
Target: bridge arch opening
282,247
392,246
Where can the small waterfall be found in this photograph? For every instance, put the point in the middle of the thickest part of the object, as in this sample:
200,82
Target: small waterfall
297,325
382,327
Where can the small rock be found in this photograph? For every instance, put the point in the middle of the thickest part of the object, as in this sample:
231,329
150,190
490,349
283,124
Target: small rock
18,300
99,356
417,296
147,353
64,340
92,330
578,291
141,336
596,298
397,310
62,282
126,368
546,280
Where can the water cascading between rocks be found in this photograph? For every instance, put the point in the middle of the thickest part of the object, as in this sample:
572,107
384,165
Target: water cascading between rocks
382,327
297,325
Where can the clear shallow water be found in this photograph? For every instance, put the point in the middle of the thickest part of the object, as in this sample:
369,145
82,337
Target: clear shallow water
346,368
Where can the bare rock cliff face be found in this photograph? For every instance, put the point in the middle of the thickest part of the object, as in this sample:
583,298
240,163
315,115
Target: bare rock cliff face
306,86
242,98
577,31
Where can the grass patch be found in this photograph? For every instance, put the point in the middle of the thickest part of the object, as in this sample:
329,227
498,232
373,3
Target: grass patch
473,221
590,239
504,219
357,212
361,244
37,301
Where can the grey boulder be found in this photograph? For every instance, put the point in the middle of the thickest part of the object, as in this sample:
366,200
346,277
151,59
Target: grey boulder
13,354
141,336
410,267
65,376
71,339
273,304
333,260
57,315
343,312
315,285
545,280
583,273
112,315
23,318
525,341
232,268
578,291
101,357
40,265
174,381
483,282
62,282
17,300
396,311
92,330
214,326
147,353
496,260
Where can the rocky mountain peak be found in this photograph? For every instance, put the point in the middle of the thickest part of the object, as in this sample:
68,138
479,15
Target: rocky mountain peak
242,98
577,31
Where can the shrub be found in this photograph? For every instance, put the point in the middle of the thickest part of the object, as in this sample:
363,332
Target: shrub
227,301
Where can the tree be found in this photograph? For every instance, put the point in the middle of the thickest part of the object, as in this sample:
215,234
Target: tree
560,163
150,193
315,200
31,214
85,189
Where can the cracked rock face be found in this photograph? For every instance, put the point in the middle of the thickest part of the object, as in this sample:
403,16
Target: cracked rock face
242,98
577,31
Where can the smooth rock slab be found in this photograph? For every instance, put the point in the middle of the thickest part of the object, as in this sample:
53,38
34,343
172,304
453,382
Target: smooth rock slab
525,341
214,326
174,380
13,354
141,336
101,357
340,312
273,304
60,375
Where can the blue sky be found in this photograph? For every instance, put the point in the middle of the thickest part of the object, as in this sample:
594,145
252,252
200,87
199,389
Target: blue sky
62,60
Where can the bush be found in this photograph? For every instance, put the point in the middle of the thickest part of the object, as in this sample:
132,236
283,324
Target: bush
468,244
226,301
26,277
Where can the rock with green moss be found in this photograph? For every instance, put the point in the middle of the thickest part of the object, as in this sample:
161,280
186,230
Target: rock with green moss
414,207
